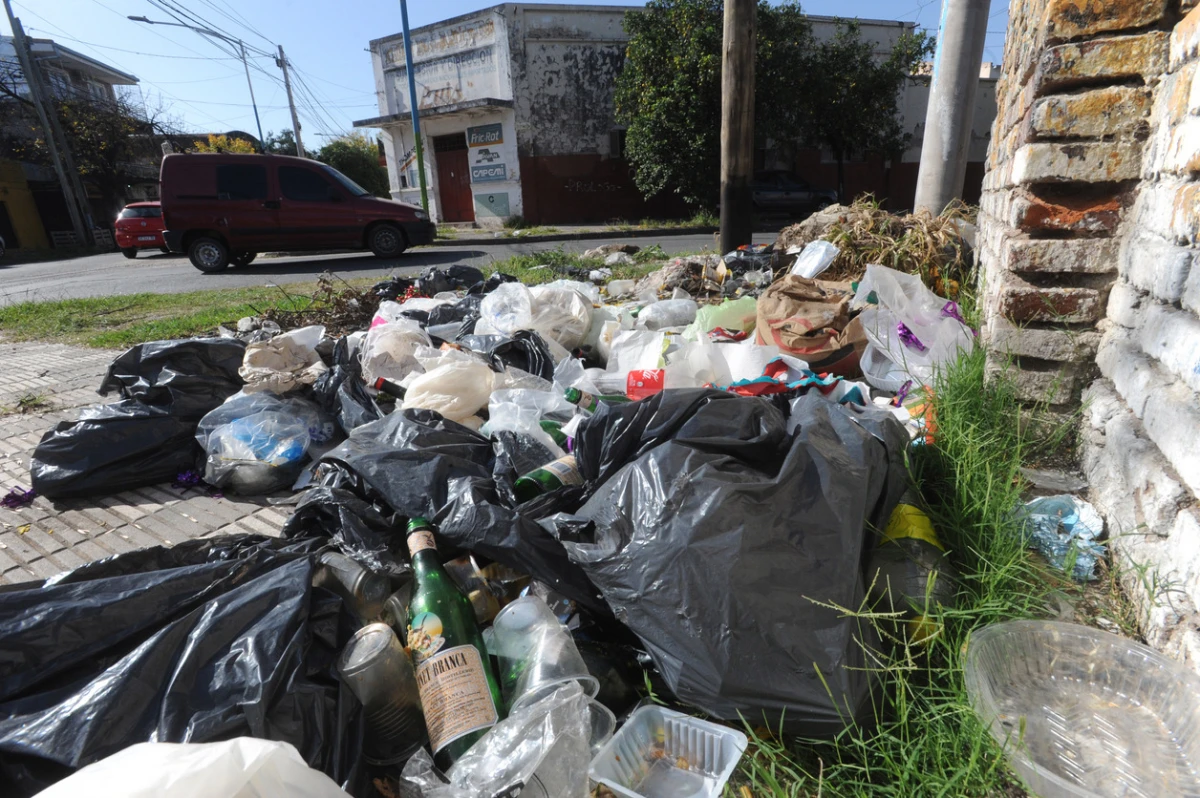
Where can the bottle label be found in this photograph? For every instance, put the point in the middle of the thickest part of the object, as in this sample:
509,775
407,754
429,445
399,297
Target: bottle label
420,540
565,469
455,695
425,636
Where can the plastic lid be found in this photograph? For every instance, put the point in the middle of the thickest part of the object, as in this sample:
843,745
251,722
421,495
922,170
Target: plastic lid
366,645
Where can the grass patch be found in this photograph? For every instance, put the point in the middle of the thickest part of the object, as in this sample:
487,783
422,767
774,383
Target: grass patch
556,264
700,219
926,739
122,321
447,233
28,403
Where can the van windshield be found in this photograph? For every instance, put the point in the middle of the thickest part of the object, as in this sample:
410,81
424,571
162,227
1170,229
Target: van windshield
351,186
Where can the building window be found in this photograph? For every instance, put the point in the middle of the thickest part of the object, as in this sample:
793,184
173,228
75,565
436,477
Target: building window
236,182
616,143
304,185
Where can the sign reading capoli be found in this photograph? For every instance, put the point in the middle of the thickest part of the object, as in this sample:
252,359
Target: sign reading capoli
483,174
484,135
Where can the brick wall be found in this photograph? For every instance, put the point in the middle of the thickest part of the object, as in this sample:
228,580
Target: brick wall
1090,217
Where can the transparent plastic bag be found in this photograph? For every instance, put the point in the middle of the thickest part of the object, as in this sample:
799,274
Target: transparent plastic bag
911,326
737,314
389,350
668,313
258,453
321,426
244,767
458,390
521,411
542,749
561,313
507,309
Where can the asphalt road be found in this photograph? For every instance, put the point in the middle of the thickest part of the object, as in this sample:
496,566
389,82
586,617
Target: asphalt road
112,274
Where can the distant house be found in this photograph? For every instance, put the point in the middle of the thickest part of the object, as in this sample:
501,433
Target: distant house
67,75
517,113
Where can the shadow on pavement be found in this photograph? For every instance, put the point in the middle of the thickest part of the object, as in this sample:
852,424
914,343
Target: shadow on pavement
419,258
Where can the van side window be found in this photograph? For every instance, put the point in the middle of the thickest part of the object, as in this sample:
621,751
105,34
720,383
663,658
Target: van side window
298,183
237,182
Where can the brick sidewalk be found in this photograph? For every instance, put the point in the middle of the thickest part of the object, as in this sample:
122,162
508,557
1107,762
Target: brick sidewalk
65,534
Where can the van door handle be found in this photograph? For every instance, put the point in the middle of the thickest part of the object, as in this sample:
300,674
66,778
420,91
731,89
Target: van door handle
274,204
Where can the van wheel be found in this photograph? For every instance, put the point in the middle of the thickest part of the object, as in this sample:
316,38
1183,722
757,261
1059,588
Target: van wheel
209,254
386,241
129,252
243,259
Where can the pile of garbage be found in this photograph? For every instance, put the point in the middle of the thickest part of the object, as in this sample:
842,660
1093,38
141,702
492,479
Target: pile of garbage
513,506
940,249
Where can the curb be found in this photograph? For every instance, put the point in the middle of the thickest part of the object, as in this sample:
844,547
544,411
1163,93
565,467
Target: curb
506,240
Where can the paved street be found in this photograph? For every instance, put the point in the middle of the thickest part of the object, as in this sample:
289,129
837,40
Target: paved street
52,536
112,274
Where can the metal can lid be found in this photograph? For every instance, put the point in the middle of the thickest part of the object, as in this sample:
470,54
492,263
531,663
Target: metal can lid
367,645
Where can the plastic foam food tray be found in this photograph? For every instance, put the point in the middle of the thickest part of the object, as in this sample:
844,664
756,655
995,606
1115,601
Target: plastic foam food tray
660,753
1081,712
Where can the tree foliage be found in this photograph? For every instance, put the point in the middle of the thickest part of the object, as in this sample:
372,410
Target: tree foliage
668,94
218,142
858,95
357,157
281,143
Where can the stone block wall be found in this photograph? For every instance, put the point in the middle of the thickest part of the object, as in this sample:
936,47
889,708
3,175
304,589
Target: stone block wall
1090,222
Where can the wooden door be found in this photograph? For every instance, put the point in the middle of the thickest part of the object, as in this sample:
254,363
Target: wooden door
454,178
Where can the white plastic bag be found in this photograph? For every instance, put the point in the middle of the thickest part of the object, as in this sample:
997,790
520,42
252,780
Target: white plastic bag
636,349
507,309
458,390
911,326
390,350
814,259
668,313
522,411
243,767
287,361
561,314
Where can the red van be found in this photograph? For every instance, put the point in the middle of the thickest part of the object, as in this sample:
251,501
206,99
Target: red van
222,209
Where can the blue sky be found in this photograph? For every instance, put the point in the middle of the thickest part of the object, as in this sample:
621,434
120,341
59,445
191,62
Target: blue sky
205,88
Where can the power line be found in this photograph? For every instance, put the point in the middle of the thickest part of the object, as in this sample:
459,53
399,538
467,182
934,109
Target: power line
240,20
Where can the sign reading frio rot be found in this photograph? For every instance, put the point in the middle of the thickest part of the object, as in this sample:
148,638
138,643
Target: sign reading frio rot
484,135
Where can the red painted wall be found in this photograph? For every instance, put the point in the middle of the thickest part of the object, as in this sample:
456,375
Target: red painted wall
570,189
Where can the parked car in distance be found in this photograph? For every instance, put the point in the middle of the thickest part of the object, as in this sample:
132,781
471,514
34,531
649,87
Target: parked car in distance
139,226
223,209
784,192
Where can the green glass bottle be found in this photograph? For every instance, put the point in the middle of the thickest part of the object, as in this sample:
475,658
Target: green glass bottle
554,430
459,691
590,402
551,476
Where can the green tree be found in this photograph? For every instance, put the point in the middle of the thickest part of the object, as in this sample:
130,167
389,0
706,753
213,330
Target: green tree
855,95
281,143
357,157
668,95
669,91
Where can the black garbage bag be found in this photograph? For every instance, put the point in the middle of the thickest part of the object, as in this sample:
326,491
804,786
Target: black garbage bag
190,377
227,638
434,280
357,527
525,350
717,554
494,281
112,448
456,312
341,393
392,288
417,463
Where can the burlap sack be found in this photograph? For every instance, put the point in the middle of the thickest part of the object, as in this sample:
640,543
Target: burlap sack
810,319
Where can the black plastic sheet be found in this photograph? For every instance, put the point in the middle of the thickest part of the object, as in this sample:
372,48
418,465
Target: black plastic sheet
358,528
435,280
112,448
419,464
452,313
524,350
190,377
718,544
210,640
341,394
494,281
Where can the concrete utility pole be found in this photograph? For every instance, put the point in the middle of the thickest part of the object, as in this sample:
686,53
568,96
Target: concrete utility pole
287,84
412,104
64,166
951,111
737,123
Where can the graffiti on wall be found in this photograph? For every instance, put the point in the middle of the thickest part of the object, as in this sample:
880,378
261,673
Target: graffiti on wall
443,41
454,79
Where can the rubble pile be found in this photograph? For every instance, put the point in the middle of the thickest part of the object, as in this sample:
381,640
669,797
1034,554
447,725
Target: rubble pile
513,507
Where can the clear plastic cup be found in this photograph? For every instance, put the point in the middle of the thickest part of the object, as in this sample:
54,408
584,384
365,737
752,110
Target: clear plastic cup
536,653
603,724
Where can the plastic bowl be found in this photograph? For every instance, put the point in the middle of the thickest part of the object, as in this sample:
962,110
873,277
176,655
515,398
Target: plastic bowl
660,753
1082,712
